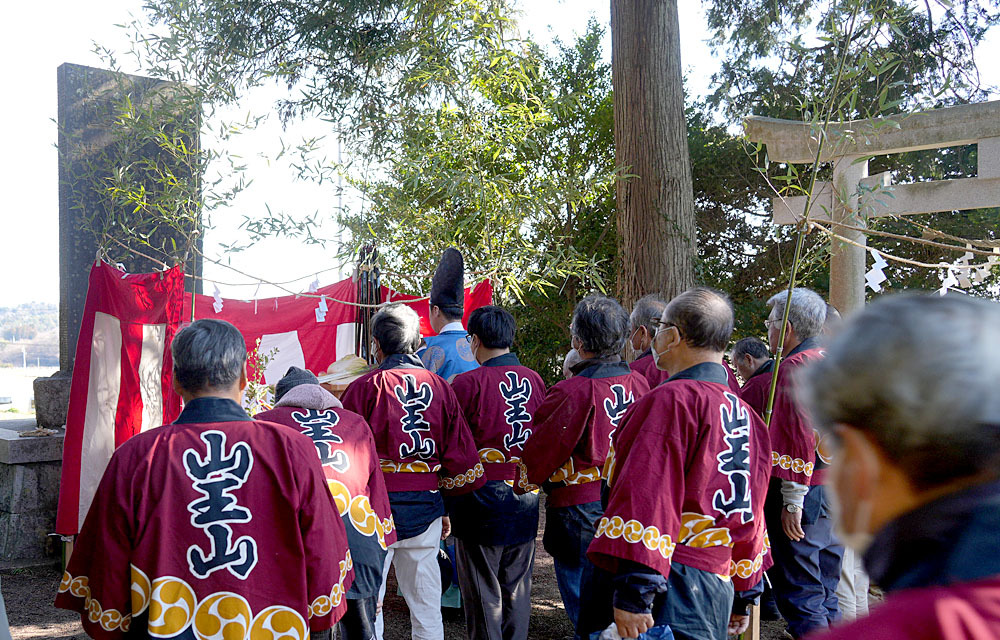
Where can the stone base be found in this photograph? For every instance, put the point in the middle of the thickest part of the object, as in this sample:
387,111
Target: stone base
29,496
52,399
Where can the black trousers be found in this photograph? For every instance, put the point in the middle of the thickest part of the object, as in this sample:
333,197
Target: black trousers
358,622
496,588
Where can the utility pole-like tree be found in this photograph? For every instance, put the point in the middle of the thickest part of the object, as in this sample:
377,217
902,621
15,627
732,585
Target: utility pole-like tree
656,223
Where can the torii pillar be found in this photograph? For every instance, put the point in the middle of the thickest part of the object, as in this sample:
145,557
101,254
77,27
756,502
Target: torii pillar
852,198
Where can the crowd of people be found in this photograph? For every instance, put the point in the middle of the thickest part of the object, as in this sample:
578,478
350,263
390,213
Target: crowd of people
675,497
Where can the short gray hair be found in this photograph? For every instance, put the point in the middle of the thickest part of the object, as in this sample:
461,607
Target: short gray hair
208,354
397,329
647,312
918,374
807,313
601,325
704,318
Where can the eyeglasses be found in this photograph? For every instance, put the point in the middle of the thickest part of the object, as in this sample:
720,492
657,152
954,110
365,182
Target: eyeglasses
771,322
468,338
662,326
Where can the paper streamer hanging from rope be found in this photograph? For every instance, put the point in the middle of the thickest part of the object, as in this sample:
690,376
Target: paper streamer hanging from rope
875,277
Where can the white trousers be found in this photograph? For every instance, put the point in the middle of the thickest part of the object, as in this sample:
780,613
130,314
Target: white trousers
852,592
419,578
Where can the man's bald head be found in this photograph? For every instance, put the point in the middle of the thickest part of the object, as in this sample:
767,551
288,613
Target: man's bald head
704,318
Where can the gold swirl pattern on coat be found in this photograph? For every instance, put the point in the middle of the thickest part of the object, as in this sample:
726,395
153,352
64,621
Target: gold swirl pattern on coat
786,462
491,456
462,479
174,608
634,532
109,619
746,568
223,616
522,478
417,466
279,623
359,511
324,604
141,589
696,531
608,472
569,476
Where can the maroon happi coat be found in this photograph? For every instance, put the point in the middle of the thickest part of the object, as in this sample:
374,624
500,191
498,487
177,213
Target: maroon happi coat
645,366
962,611
796,451
421,435
573,431
755,390
198,525
499,400
688,481
346,449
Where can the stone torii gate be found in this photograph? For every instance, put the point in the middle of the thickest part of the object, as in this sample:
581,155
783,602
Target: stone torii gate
854,192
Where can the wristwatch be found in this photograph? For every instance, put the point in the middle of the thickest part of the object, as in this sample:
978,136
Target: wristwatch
791,508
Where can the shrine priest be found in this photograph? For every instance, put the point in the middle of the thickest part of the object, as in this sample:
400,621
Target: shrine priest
642,325
572,434
425,446
448,353
215,522
907,394
346,449
807,554
684,520
494,527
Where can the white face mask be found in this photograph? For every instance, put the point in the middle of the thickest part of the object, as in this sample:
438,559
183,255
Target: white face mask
657,355
856,534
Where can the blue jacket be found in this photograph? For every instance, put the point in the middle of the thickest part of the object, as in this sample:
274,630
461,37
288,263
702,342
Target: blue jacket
448,353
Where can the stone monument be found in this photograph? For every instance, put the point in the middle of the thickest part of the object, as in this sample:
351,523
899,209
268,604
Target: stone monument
91,150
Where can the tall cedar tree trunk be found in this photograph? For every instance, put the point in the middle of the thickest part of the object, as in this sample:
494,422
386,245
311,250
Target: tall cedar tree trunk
656,224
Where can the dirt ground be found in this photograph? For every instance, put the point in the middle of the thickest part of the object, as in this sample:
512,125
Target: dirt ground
29,593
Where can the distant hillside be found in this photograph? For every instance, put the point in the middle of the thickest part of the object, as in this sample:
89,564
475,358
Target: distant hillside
29,333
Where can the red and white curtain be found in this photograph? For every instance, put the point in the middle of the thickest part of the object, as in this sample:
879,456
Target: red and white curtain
122,381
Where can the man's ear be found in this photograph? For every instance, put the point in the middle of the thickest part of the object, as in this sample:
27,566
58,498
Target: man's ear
243,378
176,385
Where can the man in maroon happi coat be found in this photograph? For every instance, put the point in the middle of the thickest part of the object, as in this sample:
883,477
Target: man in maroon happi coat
572,435
346,449
425,447
642,325
684,519
908,395
216,521
754,363
807,554
494,527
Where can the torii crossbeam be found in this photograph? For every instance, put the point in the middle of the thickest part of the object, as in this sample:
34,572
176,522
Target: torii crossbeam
853,192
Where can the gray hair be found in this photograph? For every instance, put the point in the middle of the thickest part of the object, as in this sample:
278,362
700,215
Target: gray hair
208,354
397,329
807,313
572,358
750,346
918,374
601,325
646,312
704,318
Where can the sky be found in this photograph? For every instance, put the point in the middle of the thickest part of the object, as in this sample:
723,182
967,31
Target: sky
36,37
